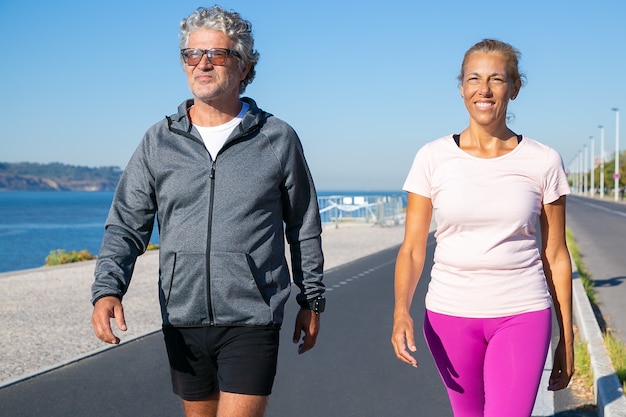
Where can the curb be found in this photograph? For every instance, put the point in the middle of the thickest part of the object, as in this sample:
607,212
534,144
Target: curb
21,378
608,392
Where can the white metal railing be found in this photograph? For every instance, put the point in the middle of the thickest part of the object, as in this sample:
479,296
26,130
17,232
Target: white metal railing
384,210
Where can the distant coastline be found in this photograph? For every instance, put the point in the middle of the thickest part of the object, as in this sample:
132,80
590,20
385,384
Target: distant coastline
30,176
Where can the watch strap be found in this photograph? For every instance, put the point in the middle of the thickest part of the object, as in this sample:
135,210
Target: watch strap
317,304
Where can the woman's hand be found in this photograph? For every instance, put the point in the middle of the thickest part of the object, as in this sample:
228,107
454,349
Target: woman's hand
403,339
563,368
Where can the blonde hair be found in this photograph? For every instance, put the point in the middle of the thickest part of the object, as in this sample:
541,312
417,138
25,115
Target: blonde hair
493,46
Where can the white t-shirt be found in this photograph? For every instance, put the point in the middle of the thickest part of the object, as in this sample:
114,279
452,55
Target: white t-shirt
487,261
214,137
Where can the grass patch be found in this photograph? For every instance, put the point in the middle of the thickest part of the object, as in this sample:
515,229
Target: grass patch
582,362
581,385
617,353
616,349
584,275
62,256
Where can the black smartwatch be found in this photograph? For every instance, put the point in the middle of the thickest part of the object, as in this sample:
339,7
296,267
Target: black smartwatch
317,304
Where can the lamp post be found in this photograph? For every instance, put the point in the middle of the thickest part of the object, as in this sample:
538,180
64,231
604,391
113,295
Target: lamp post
592,165
581,172
601,161
572,173
585,186
616,174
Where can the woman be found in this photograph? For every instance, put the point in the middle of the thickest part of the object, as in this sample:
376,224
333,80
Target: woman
488,317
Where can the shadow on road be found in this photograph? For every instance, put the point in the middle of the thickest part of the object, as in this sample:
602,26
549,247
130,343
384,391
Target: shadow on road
611,282
587,410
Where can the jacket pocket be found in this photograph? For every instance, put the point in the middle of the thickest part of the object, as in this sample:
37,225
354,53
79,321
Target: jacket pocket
184,291
239,293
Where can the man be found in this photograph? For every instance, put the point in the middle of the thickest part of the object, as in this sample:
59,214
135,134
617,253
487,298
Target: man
226,182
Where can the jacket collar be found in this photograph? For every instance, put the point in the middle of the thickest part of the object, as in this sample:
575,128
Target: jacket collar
253,119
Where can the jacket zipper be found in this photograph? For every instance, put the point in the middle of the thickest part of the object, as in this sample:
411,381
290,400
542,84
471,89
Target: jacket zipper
210,220
208,256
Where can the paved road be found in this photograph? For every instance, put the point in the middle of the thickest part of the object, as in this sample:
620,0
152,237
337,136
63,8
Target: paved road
599,228
352,371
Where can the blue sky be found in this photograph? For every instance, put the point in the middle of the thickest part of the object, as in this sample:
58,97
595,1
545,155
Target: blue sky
365,83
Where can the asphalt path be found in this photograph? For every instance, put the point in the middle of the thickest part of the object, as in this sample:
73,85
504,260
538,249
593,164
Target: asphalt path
351,372
599,229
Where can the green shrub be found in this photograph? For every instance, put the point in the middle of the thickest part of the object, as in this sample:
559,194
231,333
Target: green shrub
61,256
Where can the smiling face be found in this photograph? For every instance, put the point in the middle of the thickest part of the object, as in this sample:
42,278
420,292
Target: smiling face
486,89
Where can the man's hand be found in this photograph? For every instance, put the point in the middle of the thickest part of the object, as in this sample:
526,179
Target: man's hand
307,322
104,310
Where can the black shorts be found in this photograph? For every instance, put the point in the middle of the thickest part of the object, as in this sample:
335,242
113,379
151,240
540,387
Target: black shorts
205,360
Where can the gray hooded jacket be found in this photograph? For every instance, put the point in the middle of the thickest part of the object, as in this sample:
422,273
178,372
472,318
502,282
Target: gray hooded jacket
222,223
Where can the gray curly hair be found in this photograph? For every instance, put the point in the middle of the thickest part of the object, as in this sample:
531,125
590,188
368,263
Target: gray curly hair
232,25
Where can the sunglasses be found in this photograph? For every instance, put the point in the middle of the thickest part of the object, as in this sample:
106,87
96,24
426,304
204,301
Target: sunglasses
216,56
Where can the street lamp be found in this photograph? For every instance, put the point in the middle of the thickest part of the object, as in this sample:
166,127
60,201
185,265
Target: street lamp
585,187
592,164
581,171
601,161
616,174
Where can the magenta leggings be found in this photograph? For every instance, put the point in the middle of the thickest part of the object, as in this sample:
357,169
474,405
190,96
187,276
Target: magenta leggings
490,367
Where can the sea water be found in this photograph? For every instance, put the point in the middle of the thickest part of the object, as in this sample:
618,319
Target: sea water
35,223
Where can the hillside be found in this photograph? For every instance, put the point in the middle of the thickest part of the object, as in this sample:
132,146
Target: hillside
28,176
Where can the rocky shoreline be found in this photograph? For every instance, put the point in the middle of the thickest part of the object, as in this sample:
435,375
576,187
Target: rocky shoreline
28,176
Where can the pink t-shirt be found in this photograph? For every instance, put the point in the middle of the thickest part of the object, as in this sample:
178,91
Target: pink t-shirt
487,261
